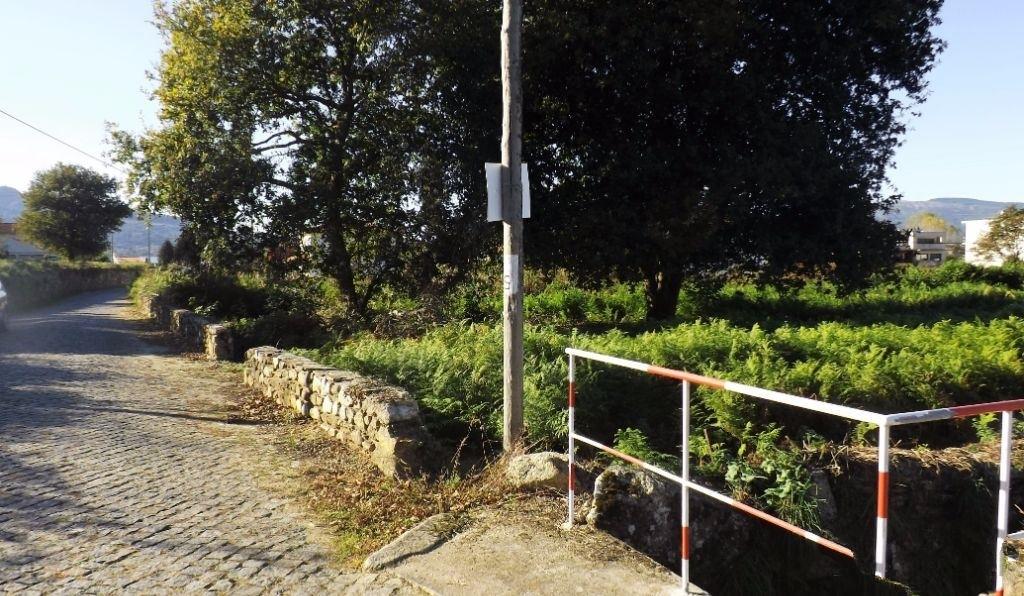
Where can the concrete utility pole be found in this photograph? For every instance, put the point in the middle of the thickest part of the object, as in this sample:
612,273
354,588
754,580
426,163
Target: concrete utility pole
512,207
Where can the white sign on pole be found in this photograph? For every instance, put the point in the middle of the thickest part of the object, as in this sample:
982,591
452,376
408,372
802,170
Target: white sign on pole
493,171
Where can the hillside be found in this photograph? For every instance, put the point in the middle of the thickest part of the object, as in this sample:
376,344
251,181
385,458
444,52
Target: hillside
129,241
10,203
953,210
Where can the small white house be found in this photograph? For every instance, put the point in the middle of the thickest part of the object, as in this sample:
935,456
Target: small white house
927,248
975,230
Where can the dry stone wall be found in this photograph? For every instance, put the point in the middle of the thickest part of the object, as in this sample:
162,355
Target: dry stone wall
37,284
213,339
379,419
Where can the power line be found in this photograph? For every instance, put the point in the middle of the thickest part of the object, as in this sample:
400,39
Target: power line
65,143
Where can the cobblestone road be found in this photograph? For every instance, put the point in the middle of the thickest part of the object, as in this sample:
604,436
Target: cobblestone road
116,474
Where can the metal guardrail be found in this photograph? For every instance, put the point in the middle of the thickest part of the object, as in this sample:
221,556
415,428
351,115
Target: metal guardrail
884,422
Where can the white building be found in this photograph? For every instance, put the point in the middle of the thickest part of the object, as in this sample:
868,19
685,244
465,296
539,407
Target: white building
928,248
975,230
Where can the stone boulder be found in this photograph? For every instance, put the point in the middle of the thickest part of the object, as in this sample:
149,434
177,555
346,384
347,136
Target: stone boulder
546,469
642,510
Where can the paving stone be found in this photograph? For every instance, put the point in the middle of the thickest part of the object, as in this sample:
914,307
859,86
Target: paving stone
117,477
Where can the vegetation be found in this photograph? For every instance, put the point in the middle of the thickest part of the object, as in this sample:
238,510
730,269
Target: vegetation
290,126
166,253
916,339
708,126
346,137
1005,237
72,210
930,222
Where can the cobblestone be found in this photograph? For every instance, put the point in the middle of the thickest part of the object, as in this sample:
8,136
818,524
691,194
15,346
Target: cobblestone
118,474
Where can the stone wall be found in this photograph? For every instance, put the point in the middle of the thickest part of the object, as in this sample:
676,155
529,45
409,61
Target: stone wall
31,285
213,339
379,419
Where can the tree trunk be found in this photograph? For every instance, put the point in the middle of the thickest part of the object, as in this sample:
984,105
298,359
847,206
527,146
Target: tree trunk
338,265
663,294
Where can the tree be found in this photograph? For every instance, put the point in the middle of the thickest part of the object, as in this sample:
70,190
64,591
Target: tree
281,119
930,222
166,253
681,139
72,210
1005,237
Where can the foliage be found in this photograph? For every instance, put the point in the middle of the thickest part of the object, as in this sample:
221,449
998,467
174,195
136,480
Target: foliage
930,222
774,475
166,253
455,371
72,210
362,125
289,130
633,442
675,139
983,427
1005,237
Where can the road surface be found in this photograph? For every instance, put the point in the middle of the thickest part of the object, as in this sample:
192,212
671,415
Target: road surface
118,473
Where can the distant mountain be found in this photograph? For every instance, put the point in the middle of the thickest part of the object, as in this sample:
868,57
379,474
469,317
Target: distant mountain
10,203
129,241
953,210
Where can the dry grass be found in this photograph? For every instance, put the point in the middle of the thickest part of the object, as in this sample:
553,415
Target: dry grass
364,508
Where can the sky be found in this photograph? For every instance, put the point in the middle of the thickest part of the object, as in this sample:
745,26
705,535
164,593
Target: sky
70,66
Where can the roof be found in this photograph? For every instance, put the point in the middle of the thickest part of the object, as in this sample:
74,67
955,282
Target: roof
19,249
12,246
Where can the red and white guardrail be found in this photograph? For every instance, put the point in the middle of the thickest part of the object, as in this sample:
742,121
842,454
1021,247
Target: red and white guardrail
884,422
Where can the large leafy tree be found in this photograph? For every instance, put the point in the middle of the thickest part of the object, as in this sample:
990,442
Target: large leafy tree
297,120
930,222
72,210
677,138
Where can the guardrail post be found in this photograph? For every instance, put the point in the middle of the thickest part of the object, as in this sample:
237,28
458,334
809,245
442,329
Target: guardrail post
684,544
882,522
1005,437
572,431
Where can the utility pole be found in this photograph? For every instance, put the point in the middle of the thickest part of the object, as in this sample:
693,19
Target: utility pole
512,208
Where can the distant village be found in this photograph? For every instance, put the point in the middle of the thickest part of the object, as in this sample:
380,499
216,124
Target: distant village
13,246
930,248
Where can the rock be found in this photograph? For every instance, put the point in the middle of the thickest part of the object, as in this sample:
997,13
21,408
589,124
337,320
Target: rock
822,493
642,509
1014,568
420,539
539,470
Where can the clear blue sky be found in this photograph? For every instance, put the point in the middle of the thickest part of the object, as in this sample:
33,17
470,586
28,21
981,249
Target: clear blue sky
68,66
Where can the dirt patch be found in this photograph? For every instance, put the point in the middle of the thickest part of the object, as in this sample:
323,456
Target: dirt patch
519,548
363,508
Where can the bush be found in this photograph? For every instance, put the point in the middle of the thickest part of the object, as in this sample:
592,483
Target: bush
280,313
455,370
